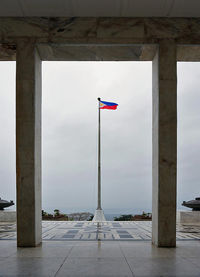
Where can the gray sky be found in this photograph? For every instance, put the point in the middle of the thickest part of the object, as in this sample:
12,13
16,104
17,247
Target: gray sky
69,142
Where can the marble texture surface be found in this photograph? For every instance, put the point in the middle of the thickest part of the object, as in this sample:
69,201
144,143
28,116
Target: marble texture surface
100,259
100,52
83,29
164,145
56,52
76,38
28,144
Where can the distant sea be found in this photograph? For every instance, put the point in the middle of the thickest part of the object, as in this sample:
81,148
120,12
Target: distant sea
110,217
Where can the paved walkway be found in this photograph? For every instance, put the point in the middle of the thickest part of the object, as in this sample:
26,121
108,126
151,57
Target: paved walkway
107,231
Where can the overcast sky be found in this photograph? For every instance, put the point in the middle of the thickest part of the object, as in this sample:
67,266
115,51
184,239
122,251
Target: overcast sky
69,134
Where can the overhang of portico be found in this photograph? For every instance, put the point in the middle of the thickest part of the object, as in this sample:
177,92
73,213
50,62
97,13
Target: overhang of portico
101,39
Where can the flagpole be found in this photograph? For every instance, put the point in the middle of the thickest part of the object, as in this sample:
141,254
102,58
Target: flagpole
99,157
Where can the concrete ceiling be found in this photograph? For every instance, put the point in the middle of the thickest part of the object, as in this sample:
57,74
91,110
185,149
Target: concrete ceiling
103,8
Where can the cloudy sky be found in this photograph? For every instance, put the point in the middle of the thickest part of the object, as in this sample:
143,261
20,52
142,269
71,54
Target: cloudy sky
69,134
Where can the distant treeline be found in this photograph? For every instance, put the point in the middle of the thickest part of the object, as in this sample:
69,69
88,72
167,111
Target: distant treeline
57,215
137,217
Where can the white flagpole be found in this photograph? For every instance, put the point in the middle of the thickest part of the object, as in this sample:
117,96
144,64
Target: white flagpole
99,157
99,215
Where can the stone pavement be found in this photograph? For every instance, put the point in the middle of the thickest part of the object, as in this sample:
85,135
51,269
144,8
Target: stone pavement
88,249
99,259
106,231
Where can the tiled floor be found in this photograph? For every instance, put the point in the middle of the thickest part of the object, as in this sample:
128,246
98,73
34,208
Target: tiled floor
107,231
100,258
108,249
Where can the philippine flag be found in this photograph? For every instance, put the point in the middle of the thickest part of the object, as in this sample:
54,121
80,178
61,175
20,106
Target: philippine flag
108,105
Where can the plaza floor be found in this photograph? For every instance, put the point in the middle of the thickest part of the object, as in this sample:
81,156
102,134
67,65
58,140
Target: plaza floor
106,231
99,255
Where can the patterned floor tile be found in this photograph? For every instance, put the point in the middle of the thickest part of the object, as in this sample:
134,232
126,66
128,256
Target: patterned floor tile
90,231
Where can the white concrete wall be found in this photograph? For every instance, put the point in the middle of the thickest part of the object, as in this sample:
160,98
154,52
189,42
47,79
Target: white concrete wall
192,217
7,216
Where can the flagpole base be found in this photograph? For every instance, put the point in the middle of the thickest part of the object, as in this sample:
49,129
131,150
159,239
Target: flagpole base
99,216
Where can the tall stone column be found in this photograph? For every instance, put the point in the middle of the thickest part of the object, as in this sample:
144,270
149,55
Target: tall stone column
28,144
164,145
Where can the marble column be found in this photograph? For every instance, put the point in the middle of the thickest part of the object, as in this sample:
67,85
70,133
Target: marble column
28,144
164,145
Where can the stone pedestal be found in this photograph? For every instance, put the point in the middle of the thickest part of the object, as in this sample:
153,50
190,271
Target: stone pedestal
99,216
192,217
7,216
28,144
164,145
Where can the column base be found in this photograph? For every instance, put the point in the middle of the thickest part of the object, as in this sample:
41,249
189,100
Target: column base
171,244
34,244
99,216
